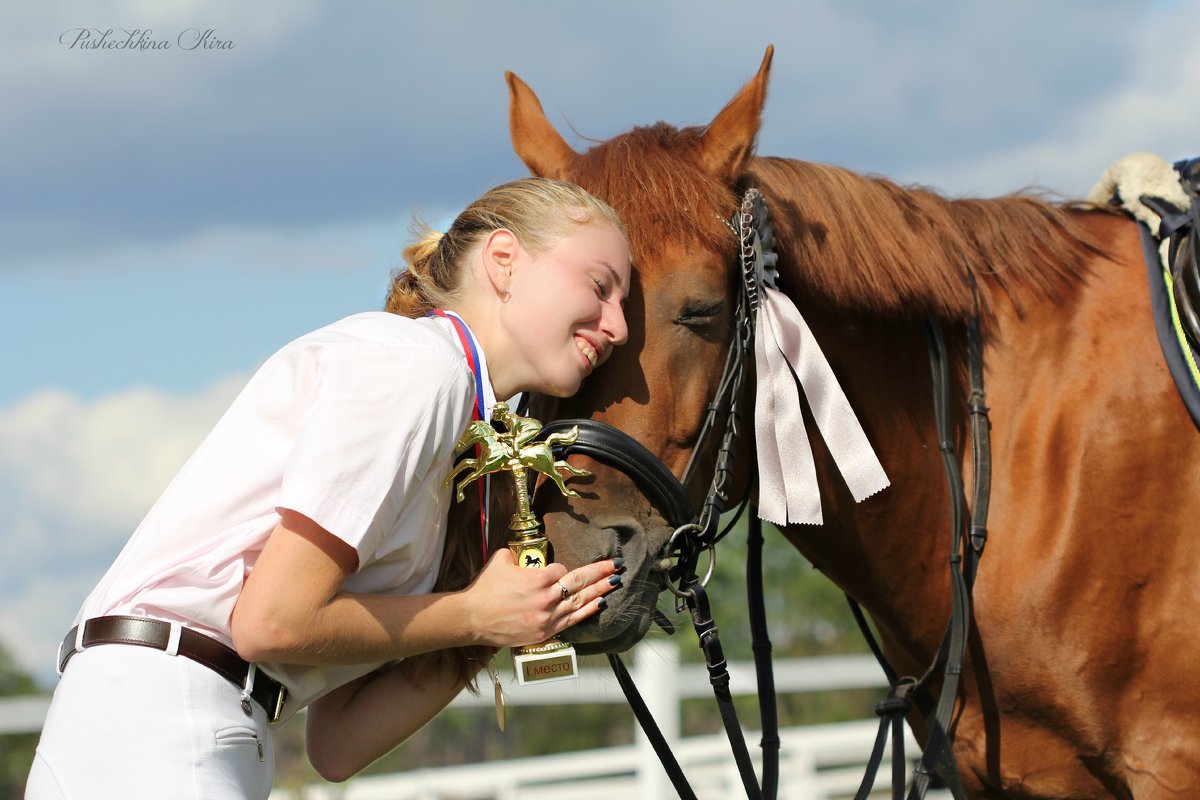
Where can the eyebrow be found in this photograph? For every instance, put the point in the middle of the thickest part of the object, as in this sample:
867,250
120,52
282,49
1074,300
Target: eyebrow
615,277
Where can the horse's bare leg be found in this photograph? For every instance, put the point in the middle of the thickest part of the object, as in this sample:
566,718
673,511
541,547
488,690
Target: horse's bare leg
558,481
568,437
468,463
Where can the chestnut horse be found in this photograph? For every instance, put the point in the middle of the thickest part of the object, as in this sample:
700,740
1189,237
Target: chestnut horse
1079,677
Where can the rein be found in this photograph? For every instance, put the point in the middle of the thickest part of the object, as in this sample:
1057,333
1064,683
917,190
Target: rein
617,449
695,534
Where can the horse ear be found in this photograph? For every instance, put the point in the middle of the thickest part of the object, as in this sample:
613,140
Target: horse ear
729,140
536,141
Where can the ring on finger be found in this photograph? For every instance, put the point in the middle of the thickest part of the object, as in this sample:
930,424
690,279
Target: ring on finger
563,590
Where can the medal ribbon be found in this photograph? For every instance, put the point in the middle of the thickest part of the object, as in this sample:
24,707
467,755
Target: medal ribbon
478,412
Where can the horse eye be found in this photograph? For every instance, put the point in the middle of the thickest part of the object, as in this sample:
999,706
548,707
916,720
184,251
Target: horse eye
699,313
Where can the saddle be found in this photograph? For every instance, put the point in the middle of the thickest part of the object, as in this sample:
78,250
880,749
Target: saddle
1166,202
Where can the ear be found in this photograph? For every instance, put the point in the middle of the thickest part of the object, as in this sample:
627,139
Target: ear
536,141
729,140
499,253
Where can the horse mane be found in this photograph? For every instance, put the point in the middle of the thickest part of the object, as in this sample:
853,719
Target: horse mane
868,243
862,242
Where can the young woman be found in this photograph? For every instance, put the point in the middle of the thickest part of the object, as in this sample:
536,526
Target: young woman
303,553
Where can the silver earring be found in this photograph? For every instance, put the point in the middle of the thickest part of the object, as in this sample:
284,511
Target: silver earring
507,294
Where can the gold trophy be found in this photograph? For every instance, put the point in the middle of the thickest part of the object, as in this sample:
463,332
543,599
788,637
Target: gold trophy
515,451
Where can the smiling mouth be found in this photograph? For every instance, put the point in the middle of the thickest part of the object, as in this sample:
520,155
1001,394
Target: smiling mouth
588,352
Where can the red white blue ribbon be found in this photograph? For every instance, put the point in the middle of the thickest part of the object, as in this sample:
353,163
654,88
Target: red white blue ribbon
471,351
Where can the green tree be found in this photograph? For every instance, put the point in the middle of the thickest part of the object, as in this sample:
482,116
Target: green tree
16,750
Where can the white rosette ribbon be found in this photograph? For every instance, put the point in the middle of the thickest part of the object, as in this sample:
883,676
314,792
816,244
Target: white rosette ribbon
786,352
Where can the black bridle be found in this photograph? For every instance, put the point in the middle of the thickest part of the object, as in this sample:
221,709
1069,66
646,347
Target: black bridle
695,533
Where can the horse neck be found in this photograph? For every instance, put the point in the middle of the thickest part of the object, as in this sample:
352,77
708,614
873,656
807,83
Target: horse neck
863,274
889,552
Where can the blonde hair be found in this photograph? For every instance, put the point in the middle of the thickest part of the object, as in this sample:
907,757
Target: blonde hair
536,210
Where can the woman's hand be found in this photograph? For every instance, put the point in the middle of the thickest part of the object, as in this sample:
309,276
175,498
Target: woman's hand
508,605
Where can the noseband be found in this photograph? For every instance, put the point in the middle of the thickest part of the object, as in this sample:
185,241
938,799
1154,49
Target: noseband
617,449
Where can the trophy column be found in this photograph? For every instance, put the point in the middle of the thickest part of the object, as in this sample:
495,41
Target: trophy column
553,659
514,450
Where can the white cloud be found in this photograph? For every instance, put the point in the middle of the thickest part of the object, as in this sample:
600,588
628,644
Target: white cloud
325,114
33,622
75,478
1152,108
329,248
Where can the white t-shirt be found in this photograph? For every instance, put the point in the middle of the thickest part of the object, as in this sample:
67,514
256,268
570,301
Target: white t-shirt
354,426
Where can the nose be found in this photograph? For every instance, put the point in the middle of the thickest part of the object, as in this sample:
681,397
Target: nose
612,323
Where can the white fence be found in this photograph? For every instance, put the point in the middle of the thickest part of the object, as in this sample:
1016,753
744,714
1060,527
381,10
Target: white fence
816,763
22,714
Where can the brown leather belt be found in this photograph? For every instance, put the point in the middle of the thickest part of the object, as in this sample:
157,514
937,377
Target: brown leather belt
146,632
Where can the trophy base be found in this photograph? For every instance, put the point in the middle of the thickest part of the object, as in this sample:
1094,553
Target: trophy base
547,662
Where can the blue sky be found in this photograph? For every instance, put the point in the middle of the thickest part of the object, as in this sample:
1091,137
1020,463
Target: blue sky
172,216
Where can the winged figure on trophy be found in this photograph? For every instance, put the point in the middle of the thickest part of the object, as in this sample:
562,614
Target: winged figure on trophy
514,450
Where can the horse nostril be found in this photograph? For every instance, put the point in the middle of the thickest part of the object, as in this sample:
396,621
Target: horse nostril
624,533
620,531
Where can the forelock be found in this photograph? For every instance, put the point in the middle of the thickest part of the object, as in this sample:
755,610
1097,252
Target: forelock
652,178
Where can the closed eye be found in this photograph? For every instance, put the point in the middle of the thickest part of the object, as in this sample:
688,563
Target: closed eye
697,314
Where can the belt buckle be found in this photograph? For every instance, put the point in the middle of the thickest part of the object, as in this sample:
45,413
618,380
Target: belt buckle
279,701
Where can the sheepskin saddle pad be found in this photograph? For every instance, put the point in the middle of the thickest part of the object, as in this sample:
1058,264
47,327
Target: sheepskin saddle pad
1165,199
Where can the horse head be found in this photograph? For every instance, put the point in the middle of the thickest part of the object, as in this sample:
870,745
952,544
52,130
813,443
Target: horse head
674,190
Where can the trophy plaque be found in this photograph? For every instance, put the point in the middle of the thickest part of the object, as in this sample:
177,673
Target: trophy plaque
513,450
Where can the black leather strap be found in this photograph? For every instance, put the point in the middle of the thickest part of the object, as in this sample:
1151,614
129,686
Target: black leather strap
657,740
619,450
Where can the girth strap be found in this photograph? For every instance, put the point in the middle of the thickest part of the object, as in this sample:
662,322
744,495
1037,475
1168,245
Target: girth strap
964,564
